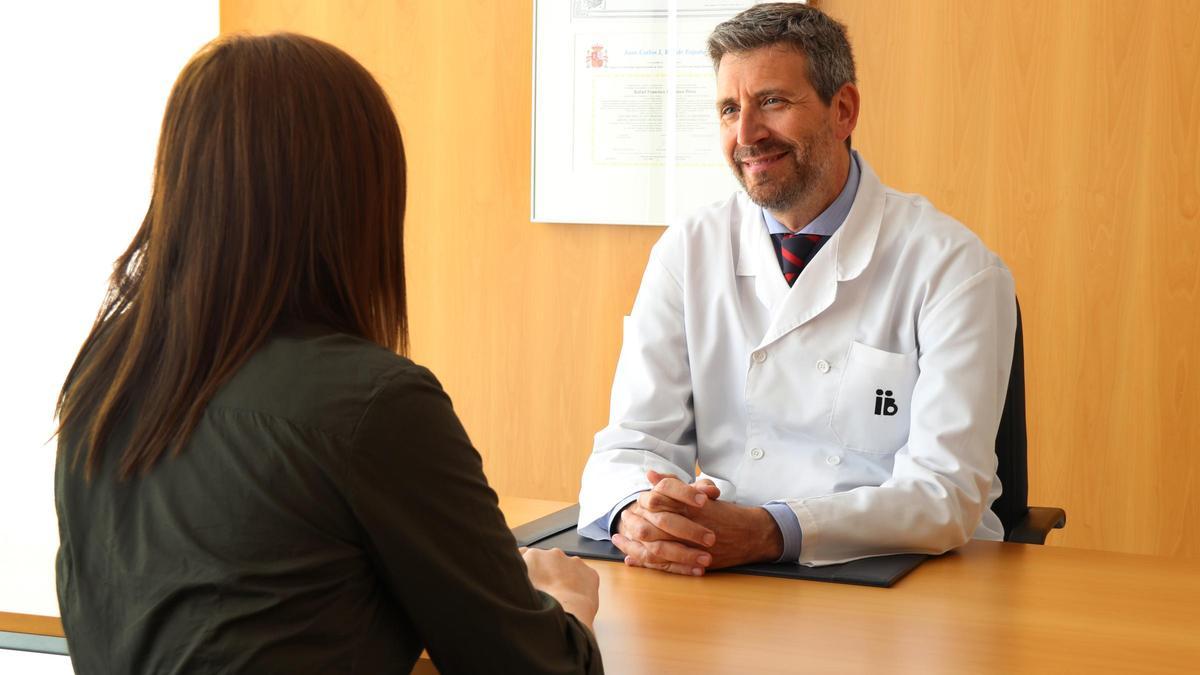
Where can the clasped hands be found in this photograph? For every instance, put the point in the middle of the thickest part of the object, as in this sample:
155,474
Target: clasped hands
684,529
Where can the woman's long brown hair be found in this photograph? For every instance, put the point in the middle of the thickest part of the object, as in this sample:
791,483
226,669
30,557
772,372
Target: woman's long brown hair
279,191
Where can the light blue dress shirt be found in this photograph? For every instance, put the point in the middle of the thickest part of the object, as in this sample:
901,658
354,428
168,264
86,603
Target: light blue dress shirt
826,224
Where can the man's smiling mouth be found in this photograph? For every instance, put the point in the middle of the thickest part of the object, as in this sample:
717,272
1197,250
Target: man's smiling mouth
754,164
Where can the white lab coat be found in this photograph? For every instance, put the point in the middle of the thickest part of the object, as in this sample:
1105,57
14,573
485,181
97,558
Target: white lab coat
772,392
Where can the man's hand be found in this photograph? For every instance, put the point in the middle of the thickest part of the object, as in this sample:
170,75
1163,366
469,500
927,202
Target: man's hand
681,528
657,530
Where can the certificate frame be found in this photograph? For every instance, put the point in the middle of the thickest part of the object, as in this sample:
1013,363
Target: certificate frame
624,126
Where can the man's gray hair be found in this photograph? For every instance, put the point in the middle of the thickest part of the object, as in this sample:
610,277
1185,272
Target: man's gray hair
806,29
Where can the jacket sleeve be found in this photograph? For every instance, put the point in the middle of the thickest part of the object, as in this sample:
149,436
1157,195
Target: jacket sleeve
941,478
651,423
440,544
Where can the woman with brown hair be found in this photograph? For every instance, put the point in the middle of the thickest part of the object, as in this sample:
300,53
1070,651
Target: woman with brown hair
249,477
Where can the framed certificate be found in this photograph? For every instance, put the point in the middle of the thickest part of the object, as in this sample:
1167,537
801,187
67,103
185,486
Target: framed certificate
625,127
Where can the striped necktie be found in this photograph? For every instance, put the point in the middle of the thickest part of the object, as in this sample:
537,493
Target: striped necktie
794,251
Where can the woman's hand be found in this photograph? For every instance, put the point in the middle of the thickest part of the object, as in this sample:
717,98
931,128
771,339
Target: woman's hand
569,580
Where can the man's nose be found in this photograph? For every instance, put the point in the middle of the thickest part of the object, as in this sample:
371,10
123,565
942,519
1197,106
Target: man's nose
751,129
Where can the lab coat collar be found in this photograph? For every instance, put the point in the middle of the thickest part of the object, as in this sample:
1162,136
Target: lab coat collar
843,258
861,229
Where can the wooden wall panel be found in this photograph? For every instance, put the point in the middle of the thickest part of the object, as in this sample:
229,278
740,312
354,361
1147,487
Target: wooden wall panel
521,321
1065,133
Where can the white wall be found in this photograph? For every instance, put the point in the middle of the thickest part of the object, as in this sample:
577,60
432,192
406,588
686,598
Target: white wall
82,90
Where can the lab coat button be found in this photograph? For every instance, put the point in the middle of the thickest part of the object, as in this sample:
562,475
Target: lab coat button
823,366
759,356
756,453
833,460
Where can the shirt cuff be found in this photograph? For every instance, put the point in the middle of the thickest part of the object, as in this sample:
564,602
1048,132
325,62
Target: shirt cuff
789,526
616,511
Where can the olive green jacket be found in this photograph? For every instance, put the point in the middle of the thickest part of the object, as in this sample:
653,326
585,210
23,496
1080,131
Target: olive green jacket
328,515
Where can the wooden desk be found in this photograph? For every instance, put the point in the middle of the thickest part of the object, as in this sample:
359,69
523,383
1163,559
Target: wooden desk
31,624
989,608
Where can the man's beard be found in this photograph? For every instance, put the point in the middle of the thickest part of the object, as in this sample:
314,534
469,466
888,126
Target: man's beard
807,167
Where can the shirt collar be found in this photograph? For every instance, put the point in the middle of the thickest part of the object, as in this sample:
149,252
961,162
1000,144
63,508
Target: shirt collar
831,218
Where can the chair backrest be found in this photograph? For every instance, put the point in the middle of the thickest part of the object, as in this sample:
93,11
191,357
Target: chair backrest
1012,444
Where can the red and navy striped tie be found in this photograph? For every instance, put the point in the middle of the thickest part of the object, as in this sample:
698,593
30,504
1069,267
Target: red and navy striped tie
794,252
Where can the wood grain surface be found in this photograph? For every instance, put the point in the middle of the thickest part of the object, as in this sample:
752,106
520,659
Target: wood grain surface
33,624
988,608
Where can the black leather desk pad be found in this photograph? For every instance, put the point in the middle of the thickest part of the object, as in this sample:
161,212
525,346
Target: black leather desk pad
557,530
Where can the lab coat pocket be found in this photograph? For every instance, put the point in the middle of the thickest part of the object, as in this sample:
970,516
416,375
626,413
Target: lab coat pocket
871,411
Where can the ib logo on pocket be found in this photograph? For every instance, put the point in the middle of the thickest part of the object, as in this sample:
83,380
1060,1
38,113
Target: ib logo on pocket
884,403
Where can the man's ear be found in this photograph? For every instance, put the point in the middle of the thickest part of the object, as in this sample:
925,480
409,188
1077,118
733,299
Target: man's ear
843,109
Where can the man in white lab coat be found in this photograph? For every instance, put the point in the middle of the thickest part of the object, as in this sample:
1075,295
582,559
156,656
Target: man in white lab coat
832,355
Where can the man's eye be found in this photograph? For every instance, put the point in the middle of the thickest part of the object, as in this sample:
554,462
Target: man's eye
728,110
771,99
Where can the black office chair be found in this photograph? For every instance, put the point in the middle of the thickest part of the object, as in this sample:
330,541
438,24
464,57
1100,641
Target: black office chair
1022,523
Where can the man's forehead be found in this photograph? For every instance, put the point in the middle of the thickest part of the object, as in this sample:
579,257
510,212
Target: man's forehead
781,54
773,66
